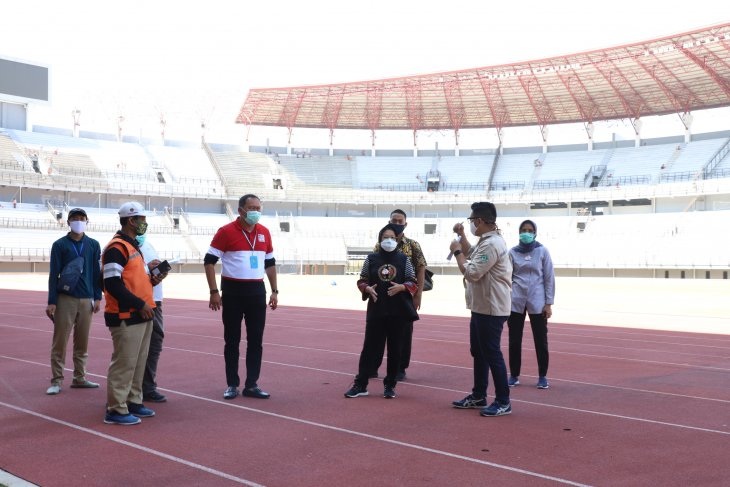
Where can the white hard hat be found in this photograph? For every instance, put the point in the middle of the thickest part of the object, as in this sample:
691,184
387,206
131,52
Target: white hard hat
132,208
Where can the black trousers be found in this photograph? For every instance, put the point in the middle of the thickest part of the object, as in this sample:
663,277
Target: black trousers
149,383
405,353
485,335
516,324
251,310
377,332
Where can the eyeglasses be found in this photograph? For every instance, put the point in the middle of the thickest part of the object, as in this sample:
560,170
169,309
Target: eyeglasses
472,218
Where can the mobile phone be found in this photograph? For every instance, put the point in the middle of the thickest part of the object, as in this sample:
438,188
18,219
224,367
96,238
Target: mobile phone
162,268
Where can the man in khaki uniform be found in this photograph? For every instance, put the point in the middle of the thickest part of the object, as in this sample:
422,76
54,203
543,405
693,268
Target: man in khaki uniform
487,272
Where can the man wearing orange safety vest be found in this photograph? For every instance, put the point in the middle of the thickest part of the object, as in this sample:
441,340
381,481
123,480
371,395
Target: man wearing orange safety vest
128,315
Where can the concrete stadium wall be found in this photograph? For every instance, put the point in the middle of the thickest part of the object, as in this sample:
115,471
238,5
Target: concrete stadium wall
339,270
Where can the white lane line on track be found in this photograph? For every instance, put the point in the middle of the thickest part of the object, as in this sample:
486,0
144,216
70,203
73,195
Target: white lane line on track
296,420
461,342
296,347
137,446
457,391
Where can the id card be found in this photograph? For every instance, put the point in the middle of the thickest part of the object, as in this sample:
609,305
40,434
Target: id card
254,262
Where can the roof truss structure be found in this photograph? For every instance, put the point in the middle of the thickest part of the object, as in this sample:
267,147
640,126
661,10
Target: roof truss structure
675,74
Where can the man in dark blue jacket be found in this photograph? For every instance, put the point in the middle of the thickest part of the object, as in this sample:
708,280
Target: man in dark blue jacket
70,306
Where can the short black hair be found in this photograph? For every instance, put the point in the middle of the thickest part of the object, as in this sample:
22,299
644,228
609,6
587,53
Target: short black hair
398,211
389,226
484,210
242,201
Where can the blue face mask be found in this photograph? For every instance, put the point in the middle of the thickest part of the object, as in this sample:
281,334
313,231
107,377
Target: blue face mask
141,239
252,217
527,238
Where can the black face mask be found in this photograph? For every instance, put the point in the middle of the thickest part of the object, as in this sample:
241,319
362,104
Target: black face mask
399,229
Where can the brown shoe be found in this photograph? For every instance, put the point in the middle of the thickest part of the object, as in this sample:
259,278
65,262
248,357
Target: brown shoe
86,384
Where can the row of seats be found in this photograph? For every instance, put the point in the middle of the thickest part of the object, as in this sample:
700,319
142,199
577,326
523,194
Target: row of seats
94,165
637,240
101,165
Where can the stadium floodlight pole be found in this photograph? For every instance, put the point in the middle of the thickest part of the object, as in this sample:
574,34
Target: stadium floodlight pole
120,121
589,131
686,118
163,124
76,114
636,123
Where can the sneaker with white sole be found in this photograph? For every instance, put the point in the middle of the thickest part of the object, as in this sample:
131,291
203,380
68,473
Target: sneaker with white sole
53,390
542,383
389,393
356,391
497,409
113,417
513,381
470,402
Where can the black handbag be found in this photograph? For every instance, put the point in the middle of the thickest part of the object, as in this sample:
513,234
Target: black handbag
428,280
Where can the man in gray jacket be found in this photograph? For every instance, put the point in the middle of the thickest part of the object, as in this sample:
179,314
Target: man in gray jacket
487,274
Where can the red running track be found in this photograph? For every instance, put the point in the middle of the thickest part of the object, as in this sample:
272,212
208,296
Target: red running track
625,407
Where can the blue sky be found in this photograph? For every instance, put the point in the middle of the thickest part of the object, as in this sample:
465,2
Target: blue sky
198,60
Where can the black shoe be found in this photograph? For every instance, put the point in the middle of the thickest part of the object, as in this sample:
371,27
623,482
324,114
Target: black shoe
230,393
255,392
470,402
356,391
400,376
154,396
389,393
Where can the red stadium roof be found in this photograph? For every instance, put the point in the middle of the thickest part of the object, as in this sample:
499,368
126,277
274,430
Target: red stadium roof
675,74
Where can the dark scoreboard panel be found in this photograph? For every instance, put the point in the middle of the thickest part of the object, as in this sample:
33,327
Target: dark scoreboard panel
23,80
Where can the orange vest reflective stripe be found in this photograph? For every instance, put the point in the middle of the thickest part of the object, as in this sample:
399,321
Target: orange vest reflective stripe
135,278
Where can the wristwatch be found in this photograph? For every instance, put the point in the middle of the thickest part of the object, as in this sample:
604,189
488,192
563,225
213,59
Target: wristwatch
213,291
457,252
275,291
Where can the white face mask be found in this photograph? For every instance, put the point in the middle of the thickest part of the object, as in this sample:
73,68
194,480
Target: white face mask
473,228
389,244
78,226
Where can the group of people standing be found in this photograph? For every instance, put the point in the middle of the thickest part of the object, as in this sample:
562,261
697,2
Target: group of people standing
501,286
126,272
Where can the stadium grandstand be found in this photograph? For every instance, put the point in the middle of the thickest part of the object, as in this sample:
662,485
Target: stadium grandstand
634,207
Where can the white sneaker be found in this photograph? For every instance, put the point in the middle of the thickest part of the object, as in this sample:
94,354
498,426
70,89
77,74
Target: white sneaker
53,390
